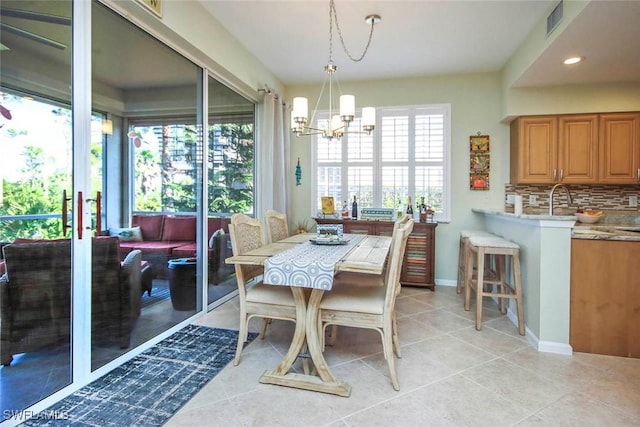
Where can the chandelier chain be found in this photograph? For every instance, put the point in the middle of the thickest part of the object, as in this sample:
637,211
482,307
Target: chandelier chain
333,14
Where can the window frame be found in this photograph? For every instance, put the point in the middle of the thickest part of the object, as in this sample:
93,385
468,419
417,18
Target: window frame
377,163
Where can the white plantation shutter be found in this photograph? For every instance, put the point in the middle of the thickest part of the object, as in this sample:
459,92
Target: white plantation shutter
407,155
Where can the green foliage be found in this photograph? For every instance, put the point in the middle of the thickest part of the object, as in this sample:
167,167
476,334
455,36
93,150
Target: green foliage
231,166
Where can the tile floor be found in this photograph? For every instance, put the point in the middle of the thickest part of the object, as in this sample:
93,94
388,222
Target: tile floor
450,375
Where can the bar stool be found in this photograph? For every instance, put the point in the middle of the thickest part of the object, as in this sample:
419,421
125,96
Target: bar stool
479,247
463,253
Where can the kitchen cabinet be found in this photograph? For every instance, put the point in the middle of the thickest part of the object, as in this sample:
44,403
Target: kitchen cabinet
619,142
605,297
551,149
419,257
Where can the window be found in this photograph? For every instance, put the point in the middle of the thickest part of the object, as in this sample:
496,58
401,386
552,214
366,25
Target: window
407,156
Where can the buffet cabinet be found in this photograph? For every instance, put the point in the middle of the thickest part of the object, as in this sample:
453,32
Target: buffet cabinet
419,257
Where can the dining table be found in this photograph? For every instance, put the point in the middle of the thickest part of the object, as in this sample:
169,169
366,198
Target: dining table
302,263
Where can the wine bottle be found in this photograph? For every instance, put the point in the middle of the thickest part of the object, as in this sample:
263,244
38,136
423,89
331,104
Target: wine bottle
410,207
354,208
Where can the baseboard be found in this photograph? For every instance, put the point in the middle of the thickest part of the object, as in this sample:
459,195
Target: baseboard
541,346
446,282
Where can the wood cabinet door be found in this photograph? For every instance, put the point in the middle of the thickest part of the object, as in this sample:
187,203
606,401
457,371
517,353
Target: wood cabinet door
605,297
534,150
620,148
578,149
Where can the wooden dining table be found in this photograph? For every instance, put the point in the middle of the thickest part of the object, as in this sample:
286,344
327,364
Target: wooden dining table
362,254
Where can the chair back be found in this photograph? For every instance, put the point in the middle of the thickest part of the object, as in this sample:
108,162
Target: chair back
394,263
246,234
277,226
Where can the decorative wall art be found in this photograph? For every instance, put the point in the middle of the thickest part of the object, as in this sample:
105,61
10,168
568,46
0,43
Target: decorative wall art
328,207
479,162
298,173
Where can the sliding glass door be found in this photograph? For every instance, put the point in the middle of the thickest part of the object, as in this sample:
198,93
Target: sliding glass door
152,201
36,206
115,201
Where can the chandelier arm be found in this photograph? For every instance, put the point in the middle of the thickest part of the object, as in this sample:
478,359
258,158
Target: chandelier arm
333,13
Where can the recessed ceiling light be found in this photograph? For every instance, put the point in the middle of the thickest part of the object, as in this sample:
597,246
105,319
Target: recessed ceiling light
573,60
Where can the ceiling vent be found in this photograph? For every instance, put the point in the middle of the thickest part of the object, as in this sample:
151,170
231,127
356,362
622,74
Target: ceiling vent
554,18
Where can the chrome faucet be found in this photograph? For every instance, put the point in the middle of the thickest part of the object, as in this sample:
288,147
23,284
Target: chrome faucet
551,196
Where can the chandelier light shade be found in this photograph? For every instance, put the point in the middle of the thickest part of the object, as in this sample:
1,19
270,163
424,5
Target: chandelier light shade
338,119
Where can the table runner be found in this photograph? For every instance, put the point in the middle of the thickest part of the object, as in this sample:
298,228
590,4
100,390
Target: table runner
308,265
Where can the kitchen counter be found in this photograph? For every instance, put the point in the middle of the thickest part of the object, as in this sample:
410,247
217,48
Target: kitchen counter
612,227
545,259
545,255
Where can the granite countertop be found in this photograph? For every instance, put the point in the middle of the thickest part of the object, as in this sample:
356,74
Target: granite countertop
614,225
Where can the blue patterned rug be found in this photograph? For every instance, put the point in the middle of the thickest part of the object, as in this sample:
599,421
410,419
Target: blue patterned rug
158,294
150,388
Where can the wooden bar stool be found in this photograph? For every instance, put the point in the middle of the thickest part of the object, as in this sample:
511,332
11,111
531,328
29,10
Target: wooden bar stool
479,247
463,253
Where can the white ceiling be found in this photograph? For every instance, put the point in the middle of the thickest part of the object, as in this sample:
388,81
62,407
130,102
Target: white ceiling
430,37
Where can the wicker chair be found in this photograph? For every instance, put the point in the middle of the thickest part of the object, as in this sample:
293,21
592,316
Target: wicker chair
277,227
256,299
35,295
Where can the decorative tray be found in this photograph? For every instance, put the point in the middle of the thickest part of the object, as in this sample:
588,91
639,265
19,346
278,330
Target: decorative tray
333,242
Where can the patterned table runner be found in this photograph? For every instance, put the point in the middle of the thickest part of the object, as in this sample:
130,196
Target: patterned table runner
308,265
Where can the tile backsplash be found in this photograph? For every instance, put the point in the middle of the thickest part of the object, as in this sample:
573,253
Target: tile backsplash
602,197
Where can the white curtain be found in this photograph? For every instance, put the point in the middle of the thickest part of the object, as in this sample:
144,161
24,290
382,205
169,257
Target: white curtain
273,163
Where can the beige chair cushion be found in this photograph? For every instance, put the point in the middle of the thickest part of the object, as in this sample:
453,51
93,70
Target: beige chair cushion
358,299
348,278
270,294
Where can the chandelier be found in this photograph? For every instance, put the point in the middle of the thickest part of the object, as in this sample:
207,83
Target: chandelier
339,119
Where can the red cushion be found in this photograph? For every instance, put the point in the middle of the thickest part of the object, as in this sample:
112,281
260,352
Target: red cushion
184,251
154,248
179,228
150,225
2,267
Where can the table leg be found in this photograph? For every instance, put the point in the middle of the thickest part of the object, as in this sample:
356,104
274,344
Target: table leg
306,330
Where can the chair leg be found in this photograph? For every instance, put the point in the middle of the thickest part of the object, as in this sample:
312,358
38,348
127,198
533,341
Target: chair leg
479,289
387,344
462,259
333,334
265,324
518,288
501,268
396,340
467,280
243,333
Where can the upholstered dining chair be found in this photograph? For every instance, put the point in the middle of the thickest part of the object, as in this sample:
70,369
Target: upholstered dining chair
277,227
360,279
372,306
256,298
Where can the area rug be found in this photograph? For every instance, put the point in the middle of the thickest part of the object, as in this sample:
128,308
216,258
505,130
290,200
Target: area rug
150,388
158,294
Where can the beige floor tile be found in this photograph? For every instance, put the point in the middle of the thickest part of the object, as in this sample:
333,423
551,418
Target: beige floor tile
578,410
557,367
617,392
411,331
443,296
512,382
450,375
409,305
454,401
217,414
442,320
490,340
413,369
454,353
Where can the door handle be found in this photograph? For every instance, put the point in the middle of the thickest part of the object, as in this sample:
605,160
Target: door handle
79,215
65,213
98,201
